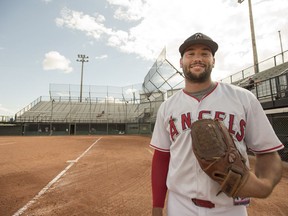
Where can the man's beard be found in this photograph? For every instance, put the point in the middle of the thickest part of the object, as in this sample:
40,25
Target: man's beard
199,77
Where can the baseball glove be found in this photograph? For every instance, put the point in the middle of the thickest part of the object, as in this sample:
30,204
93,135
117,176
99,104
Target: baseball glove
218,156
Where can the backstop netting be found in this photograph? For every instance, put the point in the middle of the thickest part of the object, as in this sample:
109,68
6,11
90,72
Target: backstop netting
93,93
163,78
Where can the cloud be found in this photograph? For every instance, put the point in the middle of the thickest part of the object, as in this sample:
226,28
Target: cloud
46,1
91,25
153,25
5,112
101,57
54,61
131,10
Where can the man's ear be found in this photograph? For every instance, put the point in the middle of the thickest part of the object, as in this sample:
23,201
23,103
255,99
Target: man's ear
181,63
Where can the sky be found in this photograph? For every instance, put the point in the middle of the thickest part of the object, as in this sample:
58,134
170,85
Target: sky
40,40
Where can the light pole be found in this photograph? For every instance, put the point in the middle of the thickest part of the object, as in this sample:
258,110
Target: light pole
281,46
255,55
82,58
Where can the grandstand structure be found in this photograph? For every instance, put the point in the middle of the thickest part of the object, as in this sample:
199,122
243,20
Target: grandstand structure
133,109
103,109
109,110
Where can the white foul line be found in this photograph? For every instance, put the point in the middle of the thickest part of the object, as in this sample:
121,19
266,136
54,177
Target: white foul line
72,162
151,152
8,143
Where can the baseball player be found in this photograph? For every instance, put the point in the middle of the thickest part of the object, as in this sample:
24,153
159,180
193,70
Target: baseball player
174,167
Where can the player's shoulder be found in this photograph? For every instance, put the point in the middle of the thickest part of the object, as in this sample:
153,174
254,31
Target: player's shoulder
170,100
229,86
233,88
232,91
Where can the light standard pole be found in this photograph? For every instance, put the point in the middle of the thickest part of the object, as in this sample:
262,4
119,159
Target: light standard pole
255,55
82,58
281,46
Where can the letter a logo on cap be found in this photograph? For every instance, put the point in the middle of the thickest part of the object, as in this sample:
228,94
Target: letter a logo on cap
198,36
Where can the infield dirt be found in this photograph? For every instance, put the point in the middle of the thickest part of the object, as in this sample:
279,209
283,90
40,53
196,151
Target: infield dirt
108,175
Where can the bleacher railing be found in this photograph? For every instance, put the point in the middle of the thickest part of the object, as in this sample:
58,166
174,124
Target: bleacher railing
272,91
263,65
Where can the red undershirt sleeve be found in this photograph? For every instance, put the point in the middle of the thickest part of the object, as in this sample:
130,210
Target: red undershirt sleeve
160,164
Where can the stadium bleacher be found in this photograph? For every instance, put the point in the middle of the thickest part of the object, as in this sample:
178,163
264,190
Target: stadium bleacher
264,75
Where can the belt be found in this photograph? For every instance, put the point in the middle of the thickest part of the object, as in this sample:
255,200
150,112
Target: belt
203,203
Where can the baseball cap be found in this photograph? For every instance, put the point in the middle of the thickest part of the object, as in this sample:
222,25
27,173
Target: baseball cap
198,38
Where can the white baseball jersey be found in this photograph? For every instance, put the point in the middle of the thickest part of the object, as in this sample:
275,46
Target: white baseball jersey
242,114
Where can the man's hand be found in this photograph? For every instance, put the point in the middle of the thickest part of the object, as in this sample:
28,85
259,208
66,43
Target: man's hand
157,212
268,172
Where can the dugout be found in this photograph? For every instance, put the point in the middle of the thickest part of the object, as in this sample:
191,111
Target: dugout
139,128
8,129
39,129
